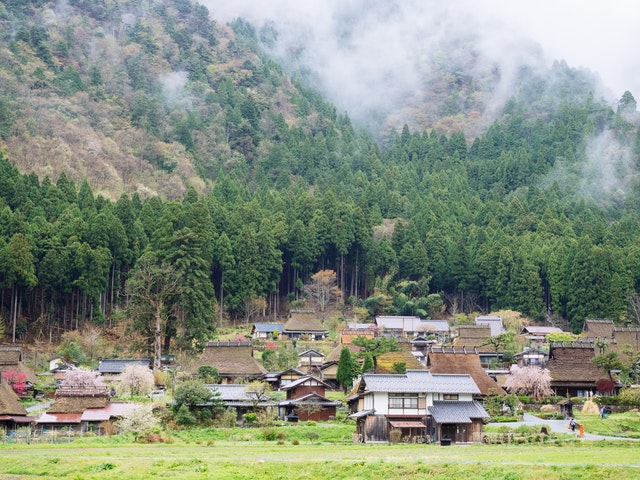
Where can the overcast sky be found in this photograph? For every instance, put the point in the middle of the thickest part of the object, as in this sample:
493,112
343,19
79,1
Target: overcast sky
385,35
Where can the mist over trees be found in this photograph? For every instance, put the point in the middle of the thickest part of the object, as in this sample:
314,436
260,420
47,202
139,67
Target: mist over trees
266,186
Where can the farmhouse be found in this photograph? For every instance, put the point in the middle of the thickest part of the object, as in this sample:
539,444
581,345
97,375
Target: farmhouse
417,406
455,360
12,414
304,324
306,401
267,330
233,360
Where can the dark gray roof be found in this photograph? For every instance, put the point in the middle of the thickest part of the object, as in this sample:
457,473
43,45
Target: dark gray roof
114,365
420,381
312,397
456,412
236,396
303,380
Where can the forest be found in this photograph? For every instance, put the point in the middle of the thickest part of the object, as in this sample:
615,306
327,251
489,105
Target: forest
232,190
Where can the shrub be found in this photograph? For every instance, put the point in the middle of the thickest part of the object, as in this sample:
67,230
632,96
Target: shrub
269,434
295,441
250,418
184,416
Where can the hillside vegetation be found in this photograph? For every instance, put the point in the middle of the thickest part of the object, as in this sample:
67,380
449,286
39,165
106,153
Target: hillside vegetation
144,141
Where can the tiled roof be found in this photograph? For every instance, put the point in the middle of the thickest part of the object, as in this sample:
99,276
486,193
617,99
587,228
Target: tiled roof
405,324
303,380
459,361
231,359
457,412
419,381
309,398
268,327
65,418
441,326
538,330
114,365
112,409
494,323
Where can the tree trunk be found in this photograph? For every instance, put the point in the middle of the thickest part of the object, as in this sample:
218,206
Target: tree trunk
157,343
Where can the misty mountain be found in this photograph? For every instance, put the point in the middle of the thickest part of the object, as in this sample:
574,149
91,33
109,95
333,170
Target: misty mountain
155,96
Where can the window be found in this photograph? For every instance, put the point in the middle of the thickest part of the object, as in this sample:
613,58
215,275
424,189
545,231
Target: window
403,400
450,396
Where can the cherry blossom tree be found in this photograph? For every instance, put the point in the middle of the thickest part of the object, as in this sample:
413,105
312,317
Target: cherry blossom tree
532,380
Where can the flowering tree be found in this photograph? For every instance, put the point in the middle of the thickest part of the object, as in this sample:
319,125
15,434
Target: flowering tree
80,378
533,380
16,380
139,421
138,379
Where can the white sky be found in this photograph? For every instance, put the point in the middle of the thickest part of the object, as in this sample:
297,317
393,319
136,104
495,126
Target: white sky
601,36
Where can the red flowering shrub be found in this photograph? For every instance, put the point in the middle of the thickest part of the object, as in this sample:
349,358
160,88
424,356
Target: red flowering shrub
16,380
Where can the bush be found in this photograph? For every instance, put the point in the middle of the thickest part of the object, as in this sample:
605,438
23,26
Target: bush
395,435
184,417
250,418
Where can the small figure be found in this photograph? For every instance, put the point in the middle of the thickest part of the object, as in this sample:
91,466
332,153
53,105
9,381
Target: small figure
572,424
603,412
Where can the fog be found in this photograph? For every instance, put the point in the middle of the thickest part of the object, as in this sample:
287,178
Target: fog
369,55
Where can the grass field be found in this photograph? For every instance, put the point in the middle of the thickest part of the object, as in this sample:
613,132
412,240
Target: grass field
108,458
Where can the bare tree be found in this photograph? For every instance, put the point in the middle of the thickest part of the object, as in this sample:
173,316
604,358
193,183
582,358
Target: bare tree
324,289
150,287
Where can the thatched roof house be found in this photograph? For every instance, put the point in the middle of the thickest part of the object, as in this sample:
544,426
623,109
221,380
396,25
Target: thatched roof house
78,399
12,414
385,363
11,360
305,323
474,336
597,328
233,360
625,339
573,374
454,360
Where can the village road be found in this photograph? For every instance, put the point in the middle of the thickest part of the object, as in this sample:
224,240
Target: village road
556,426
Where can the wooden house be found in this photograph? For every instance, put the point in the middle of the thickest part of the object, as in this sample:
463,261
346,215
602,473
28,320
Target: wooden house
532,357
267,331
277,380
305,325
420,406
11,359
457,360
237,397
625,340
597,328
400,326
493,321
70,404
573,374
537,335
306,401
12,414
474,338
233,360
310,360
112,368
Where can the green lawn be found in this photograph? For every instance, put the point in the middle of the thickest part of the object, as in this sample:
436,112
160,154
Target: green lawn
197,457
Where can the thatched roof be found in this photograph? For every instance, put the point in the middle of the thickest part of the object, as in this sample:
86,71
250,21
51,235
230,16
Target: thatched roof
474,336
9,404
11,360
304,321
460,361
570,364
232,359
77,401
597,328
334,356
384,363
625,338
